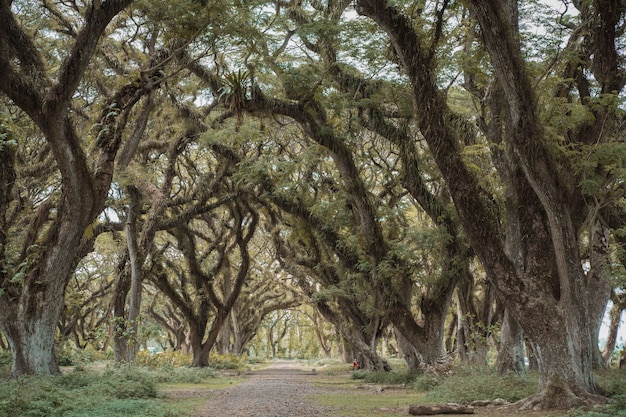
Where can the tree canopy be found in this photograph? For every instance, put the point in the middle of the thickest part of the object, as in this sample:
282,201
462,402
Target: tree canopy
208,163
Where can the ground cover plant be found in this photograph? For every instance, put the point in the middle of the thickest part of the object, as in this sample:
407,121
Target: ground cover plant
137,391
372,394
112,392
125,391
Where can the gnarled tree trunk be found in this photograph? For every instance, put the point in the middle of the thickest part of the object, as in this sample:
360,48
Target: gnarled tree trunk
33,295
548,293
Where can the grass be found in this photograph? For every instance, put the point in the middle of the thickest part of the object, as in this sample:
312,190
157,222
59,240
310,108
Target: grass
368,402
356,393
112,392
467,385
136,391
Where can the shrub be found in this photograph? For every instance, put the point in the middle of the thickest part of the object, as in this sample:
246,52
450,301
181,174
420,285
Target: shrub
123,408
127,392
612,381
218,361
160,359
482,384
70,355
616,408
5,358
125,382
360,374
177,359
389,378
170,374
426,382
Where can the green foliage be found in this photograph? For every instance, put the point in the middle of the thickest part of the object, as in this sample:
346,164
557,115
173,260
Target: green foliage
176,360
596,161
182,375
402,377
612,381
361,374
5,358
615,408
129,383
69,355
470,385
218,361
112,393
160,359
426,382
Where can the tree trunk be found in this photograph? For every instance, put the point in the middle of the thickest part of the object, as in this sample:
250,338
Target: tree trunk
511,353
345,349
409,353
426,343
546,294
565,377
223,344
474,323
119,324
598,286
615,317
200,357
531,355
126,338
36,302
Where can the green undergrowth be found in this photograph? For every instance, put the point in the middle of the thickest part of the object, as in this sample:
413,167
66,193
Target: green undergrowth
112,392
613,382
467,385
462,385
400,377
615,408
366,402
177,359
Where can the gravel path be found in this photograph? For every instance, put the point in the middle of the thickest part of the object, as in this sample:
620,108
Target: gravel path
281,390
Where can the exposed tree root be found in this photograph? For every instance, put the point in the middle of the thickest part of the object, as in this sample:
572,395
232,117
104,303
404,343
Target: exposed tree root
559,396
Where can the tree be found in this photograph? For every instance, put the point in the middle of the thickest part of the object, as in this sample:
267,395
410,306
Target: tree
208,248
46,86
266,290
87,309
539,275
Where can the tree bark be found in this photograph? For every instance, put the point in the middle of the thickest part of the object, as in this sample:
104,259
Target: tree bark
548,296
599,286
30,309
619,305
511,354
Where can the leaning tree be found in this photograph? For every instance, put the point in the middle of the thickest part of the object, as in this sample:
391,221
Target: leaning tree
43,72
538,269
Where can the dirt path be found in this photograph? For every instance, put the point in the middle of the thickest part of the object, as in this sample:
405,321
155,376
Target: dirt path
281,390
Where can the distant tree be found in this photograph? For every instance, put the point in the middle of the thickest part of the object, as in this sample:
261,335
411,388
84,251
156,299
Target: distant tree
209,249
264,292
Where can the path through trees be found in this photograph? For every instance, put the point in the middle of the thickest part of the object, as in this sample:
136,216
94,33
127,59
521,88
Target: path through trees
281,390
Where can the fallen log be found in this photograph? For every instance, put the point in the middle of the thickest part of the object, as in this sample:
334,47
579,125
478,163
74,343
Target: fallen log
434,409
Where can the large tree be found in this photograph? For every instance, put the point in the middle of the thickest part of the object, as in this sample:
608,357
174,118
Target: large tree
42,75
539,274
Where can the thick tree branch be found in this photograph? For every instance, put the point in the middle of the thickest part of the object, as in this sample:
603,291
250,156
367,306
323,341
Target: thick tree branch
97,18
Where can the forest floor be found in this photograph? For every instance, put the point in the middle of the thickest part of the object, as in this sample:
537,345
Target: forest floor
287,389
